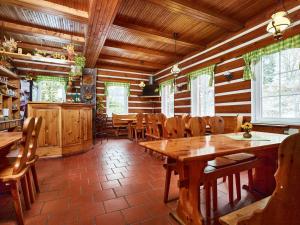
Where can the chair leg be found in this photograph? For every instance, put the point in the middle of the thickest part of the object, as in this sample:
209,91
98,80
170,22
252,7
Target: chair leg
238,186
136,135
207,199
14,190
24,186
230,188
35,178
167,184
30,188
250,179
215,194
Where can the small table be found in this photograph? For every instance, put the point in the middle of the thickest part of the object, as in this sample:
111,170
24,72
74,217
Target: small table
192,154
7,139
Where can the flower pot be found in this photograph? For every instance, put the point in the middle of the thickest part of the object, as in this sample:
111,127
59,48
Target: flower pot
247,134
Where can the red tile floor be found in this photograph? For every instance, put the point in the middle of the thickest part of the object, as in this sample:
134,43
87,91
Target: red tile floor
115,183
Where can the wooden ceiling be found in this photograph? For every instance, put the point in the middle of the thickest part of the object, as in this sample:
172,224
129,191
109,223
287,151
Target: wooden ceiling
131,34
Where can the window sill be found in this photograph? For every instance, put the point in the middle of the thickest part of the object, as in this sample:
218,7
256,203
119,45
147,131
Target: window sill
269,124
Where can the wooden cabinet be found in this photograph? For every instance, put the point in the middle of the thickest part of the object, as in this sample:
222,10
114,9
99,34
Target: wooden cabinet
66,128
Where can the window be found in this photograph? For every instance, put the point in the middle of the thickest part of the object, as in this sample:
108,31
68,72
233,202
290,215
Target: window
276,90
203,97
167,99
50,89
117,98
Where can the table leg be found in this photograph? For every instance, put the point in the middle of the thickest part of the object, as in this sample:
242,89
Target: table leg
188,211
129,131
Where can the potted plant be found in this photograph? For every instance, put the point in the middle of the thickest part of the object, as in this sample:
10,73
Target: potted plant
247,127
76,70
10,45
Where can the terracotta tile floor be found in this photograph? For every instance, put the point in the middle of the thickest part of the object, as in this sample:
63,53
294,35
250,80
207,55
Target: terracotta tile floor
116,183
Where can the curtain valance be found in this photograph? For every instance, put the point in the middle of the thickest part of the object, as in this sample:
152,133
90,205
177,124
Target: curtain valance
253,57
116,84
204,71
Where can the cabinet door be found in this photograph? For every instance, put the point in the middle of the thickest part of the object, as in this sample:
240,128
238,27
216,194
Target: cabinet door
71,127
86,124
49,134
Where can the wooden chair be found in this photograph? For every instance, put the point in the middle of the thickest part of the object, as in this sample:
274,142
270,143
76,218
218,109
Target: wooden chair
139,127
175,127
147,126
161,118
216,125
33,158
155,133
283,207
196,126
13,171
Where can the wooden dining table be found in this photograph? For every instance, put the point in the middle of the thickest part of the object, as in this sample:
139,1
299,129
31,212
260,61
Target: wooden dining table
7,139
191,155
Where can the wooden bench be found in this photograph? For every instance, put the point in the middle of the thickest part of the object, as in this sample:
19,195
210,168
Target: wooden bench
120,126
283,207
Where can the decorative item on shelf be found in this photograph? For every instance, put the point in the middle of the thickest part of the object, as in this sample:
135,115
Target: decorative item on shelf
175,68
3,89
10,45
3,80
142,84
71,51
63,57
56,55
20,51
228,76
279,23
247,127
40,53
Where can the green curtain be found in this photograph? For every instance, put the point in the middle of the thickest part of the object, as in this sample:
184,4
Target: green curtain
165,83
116,84
204,71
62,80
253,57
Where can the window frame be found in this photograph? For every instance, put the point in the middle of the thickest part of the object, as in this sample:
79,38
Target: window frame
256,98
108,111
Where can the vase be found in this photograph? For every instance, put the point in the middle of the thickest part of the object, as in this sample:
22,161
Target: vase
247,134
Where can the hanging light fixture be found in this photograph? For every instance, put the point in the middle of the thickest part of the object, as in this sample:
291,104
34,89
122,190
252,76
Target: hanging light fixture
279,23
175,68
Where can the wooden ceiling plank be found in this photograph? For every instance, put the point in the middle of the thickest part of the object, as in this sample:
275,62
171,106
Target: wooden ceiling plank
34,31
101,16
103,65
127,61
154,35
199,12
134,49
51,8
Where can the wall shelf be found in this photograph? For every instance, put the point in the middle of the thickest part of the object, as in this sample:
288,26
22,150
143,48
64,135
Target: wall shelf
7,73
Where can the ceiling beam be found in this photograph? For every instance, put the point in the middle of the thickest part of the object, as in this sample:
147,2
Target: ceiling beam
109,66
199,12
50,8
101,16
127,61
41,33
154,35
30,46
128,48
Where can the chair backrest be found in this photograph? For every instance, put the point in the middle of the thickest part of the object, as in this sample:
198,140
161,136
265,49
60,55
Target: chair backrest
197,126
147,120
283,207
206,118
34,139
216,125
22,159
175,127
154,126
186,118
139,120
161,119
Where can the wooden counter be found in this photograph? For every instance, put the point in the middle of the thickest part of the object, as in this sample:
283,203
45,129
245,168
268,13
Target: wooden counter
66,128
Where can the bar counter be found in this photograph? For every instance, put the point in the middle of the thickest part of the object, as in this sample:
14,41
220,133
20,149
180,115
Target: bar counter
66,128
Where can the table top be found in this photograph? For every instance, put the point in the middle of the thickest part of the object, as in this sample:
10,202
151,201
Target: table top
8,138
209,147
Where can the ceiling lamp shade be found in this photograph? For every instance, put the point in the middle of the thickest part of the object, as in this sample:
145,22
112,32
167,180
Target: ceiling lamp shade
278,24
175,69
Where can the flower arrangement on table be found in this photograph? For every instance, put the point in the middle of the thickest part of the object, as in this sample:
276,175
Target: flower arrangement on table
247,127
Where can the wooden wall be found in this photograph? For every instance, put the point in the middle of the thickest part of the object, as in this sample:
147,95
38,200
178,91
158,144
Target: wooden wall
136,103
233,97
